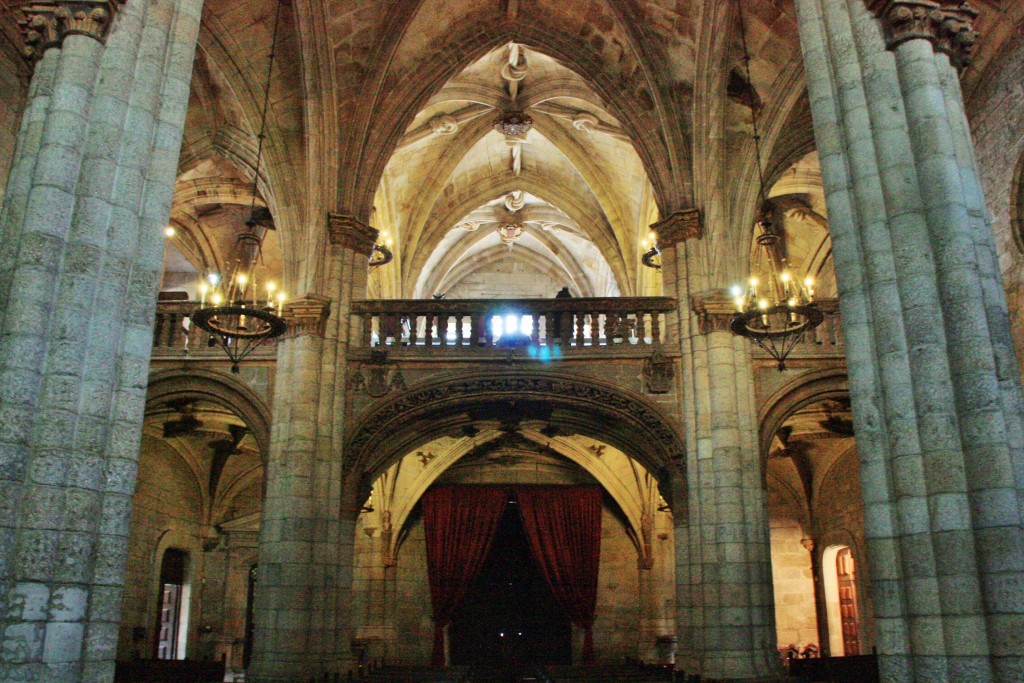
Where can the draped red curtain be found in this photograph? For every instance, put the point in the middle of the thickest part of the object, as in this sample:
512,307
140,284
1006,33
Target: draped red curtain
563,526
460,524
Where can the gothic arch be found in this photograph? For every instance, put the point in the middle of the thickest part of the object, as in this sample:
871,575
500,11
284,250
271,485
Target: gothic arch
455,208
631,508
802,391
218,388
390,428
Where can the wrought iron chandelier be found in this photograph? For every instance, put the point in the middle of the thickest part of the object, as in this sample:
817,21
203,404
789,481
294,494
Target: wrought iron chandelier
381,255
242,310
648,256
776,308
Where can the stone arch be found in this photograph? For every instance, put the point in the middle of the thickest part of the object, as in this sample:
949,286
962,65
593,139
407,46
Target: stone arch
457,207
613,486
802,391
390,428
218,388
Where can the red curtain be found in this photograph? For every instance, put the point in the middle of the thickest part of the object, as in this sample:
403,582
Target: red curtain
460,524
563,526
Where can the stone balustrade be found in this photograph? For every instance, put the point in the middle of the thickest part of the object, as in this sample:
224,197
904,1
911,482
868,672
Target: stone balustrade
174,336
567,323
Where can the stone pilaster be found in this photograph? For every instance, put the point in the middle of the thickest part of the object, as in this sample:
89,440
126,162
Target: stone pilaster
933,379
303,609
88,196
724,601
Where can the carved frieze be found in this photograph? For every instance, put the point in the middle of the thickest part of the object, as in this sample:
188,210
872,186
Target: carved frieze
45,23
421,401
306,316
687,224
947,24
351,233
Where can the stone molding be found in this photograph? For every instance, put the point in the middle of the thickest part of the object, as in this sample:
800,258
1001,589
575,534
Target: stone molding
45,23
307,316
685,224
714,311
421,401
946,24
351,233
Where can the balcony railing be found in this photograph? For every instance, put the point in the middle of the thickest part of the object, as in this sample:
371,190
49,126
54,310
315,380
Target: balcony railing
174,336
567,323
465,323
824,340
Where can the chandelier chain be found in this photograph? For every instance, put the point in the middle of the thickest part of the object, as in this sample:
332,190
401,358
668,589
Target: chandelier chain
753,104
263,114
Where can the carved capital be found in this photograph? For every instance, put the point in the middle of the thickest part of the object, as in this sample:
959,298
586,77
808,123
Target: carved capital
307,316
686,224
946,24
351,233
45,23
714,311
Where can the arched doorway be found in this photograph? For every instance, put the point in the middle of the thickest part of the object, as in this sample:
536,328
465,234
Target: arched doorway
636,559
510,616
841,600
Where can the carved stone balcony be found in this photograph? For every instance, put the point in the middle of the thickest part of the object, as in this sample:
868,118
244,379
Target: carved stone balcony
592,326
567,324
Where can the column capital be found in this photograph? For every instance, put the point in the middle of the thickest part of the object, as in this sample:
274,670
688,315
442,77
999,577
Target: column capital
715,311
946,24
685,224
45,23
351,233
307,316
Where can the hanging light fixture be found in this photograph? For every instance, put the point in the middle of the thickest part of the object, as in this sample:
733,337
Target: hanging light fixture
648,256
382,254
242,310
776,308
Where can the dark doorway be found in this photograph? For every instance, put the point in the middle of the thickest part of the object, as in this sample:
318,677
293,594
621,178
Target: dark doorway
172,616
510,616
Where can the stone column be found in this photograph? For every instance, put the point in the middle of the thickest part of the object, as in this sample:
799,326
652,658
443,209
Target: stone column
933,378
307,535
81,248
724,602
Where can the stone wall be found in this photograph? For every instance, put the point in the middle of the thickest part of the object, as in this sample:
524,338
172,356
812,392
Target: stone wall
996,113
795,622
167,511
508,278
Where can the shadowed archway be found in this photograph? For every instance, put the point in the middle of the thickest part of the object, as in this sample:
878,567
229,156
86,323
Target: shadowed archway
564,403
